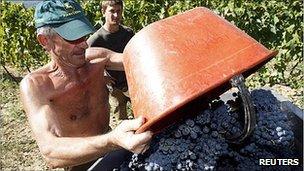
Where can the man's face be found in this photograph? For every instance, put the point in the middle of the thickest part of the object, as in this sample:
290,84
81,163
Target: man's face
113,14
71,53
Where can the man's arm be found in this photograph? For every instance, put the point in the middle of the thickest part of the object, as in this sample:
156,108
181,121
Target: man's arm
114,60
70,151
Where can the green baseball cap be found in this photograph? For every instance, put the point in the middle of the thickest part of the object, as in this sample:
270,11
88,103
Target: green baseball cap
66,17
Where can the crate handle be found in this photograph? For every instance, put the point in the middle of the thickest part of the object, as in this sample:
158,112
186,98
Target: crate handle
238,81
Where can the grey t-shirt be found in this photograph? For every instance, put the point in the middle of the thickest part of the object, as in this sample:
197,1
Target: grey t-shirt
115,42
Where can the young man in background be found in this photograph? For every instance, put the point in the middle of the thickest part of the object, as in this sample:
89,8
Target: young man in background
114,36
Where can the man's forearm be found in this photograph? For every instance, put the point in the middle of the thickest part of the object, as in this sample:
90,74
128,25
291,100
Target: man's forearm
97,52
114,60
65,151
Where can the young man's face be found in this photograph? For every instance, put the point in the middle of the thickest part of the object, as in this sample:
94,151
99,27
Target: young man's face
113,14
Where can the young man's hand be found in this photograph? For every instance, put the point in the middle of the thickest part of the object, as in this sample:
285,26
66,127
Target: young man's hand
124,136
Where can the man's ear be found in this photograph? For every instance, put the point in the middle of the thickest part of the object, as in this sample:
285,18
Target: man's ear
103,11
43,41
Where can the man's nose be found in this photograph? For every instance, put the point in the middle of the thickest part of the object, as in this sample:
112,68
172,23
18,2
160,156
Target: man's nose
115,14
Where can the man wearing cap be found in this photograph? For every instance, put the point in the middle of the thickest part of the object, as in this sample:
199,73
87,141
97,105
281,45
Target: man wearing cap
66,101
114,36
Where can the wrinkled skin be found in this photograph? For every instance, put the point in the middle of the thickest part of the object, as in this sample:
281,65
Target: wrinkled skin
66,103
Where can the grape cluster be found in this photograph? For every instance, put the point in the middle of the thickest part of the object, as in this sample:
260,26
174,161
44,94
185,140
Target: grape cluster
200,142
272,130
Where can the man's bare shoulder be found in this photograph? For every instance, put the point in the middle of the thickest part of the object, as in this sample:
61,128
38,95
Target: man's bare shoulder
37,80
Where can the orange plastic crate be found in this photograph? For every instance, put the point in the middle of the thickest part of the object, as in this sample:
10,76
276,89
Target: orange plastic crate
174,61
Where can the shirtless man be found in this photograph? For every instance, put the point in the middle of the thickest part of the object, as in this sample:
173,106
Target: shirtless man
66,101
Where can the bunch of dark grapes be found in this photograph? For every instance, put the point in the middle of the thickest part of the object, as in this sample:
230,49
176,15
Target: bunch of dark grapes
200,142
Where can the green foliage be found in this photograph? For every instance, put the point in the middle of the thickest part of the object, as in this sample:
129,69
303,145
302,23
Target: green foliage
18,45
93,12
275,23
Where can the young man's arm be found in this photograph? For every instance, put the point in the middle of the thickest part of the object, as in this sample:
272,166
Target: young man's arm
114,60
70,151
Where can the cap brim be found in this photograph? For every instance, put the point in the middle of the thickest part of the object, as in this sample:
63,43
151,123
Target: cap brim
75,29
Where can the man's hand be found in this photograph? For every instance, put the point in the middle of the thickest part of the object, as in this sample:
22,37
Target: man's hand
124,136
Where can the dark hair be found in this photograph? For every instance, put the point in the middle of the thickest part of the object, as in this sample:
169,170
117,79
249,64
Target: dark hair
106,3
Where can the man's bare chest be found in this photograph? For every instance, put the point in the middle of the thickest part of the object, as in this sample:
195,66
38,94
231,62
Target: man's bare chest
81,111
77,100
75,104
